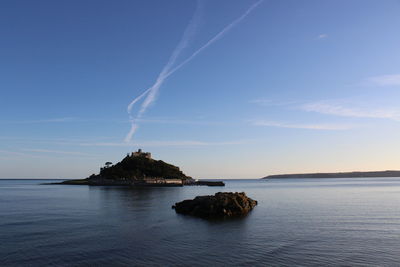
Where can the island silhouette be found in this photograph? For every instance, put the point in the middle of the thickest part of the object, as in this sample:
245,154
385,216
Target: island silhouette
140,169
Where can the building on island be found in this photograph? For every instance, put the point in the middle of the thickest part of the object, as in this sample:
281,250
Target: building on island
139,153
161,181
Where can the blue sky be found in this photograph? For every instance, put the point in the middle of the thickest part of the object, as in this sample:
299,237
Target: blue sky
292,86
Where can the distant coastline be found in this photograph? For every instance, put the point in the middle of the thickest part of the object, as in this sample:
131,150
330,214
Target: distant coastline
355,174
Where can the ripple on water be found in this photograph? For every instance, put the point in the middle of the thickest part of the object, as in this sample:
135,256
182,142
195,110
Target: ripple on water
310,222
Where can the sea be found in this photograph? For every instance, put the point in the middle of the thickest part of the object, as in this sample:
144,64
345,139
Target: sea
297,222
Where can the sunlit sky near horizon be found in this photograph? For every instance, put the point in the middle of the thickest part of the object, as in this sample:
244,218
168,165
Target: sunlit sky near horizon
290,86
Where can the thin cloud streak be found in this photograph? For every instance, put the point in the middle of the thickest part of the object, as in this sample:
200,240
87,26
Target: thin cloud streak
57,152
185,122
322,126
181,143
261,101
166,72
61,140
54,120
13,153
269,102
384,80
339,110
19,154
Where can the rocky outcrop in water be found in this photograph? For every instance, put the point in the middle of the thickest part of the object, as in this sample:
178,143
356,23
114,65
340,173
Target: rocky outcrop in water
221,205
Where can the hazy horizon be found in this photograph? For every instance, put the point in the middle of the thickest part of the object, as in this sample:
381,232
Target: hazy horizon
221,89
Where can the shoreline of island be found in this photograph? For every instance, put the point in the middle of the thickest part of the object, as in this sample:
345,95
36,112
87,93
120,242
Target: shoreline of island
138,183
139,169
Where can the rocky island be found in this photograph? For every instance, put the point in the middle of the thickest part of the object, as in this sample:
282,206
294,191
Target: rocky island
140,169
220,205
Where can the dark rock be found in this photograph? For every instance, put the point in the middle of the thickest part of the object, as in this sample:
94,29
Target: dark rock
220,205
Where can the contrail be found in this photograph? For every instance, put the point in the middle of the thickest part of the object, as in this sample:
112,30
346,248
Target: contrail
152,91
166,71
188,33
130,106
216,37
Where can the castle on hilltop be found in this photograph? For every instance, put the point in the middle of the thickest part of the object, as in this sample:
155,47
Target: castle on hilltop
139,153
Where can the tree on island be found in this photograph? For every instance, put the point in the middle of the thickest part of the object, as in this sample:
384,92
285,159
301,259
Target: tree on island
108,164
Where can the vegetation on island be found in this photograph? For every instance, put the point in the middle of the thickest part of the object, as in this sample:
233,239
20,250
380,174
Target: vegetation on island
137,168
140,167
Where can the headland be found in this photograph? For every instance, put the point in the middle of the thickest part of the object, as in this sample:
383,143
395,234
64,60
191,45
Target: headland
355,174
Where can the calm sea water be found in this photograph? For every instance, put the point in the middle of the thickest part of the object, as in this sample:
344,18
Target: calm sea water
302,222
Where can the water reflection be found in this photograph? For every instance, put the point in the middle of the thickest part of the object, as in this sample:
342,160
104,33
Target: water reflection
312,222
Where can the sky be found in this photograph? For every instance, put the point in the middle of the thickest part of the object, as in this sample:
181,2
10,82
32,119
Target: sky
230,89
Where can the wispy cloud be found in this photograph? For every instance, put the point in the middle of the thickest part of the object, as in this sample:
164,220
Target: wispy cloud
261,101
340,110
319,126
62,141
18,154
56,152
180,121
13,153
177,143
384,80
168,69
322,36
270,102
51,120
